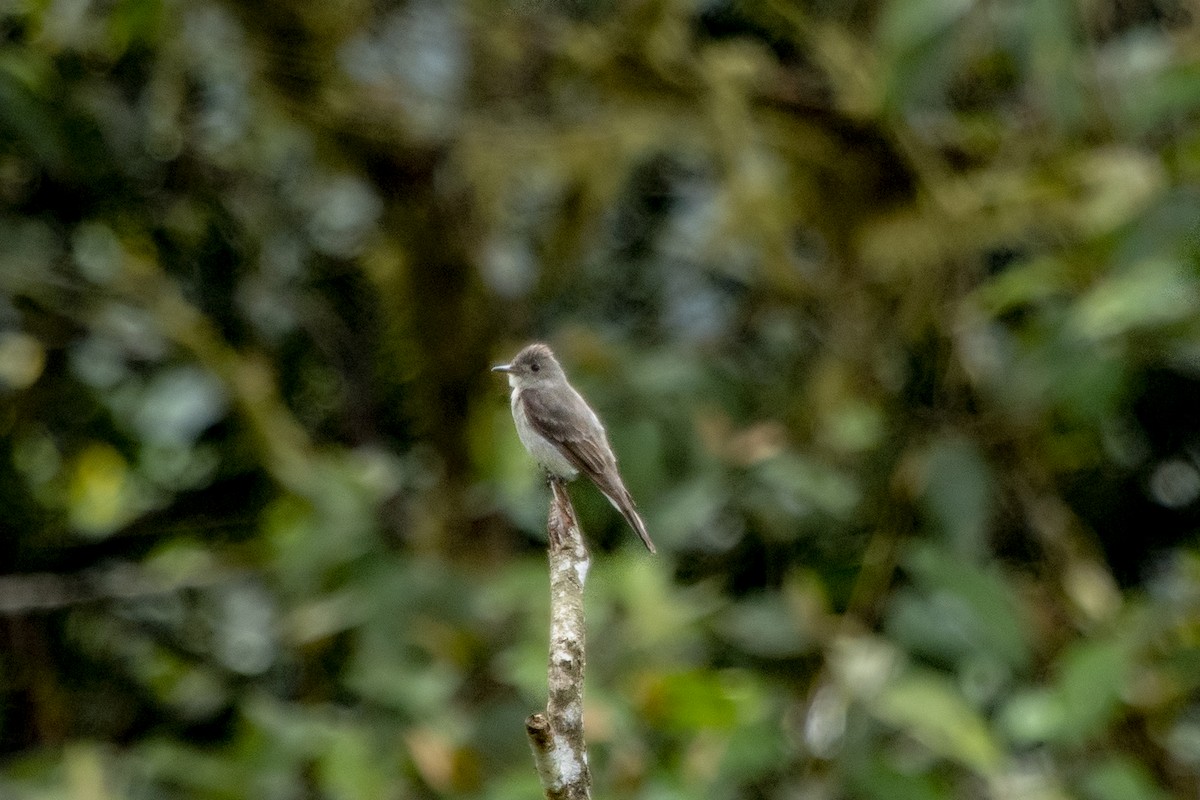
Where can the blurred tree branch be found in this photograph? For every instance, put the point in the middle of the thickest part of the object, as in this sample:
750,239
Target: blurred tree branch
249,377
556,737
22,594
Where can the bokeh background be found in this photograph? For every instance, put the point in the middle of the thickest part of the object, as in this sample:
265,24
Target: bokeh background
892,310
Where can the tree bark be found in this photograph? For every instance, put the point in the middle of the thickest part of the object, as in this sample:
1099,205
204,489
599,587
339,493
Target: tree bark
556,736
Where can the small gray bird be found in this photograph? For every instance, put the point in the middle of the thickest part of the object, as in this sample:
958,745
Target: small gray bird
561,431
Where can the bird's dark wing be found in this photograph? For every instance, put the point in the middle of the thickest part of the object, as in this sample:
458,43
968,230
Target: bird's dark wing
565,420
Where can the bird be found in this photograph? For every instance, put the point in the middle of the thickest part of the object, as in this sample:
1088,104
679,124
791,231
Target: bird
562,432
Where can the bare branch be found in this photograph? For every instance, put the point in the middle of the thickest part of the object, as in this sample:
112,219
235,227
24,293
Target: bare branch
556,737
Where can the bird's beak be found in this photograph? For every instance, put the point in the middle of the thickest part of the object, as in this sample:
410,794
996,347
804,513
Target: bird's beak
502,368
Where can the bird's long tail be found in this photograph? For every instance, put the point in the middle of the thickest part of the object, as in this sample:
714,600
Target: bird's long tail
623,502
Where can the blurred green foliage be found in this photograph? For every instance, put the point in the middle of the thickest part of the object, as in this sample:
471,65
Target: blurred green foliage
892,309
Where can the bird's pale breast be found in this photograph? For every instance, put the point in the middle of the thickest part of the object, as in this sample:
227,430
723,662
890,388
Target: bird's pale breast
542,450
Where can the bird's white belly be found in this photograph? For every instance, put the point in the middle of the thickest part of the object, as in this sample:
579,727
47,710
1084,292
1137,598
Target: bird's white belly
545,453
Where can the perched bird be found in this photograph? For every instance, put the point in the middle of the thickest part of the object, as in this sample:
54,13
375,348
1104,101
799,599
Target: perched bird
561,431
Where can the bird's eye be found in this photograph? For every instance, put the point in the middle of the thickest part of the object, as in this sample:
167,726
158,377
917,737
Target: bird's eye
535,366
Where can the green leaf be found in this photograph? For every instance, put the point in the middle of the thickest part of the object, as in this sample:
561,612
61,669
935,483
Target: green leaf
1030,283
958,495
1035,715
802,486
880,779
959,611
697,700
349,768
1080,703
764,626
1092,676
1120,778
931,710
909,24
1154,292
